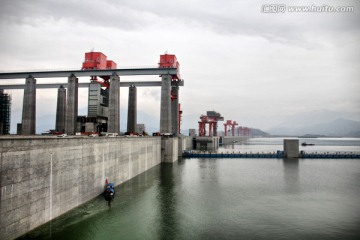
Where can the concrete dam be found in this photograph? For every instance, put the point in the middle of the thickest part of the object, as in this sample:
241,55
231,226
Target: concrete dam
44,177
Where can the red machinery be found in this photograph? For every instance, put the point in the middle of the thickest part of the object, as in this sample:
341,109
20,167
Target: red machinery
98,60
170,61
232,124
243,131
173,97
226,124
212,119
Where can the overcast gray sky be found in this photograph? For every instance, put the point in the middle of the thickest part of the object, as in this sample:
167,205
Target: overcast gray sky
253,67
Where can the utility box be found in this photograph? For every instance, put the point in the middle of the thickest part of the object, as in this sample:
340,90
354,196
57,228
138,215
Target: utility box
291,148
192,132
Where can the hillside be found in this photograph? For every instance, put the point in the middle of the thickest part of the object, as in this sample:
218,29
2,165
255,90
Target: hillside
339,127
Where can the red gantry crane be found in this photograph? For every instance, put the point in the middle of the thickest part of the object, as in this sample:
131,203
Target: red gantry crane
212,119
98,60
231,124
243,131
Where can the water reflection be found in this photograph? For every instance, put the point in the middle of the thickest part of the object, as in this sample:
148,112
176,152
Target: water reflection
291,175
167,200
208,172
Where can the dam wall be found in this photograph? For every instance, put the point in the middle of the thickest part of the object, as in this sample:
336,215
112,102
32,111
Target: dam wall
185,143
44,177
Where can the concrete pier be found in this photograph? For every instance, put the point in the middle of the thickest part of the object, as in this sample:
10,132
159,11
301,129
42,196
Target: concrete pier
114,105
169,149
165,107
132,110
29,107
71,105
215,126
175,110
207,143
61,110
291,148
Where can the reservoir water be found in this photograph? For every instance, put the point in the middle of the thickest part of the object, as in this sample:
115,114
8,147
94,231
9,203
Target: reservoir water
228,199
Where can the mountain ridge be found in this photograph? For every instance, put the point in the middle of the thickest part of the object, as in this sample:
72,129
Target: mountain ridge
339,127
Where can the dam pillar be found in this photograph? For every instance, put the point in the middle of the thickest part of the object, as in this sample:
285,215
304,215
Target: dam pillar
291,148
169,149
132,110
61,110
72,105
29,107
165,108
215,129
114,104
175,110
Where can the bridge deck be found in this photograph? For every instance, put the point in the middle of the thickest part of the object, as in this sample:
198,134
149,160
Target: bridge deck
86,85
88,73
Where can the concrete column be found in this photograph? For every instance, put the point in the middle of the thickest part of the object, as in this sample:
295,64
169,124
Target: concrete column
132,110
175,110
215,129
29,107
165,108
169,149
61,110
114,104
291,148
18,128
71,105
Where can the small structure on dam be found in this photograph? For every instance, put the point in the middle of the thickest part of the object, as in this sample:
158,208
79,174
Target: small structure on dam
5,112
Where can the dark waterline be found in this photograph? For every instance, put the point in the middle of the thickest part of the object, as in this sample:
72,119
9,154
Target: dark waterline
224,199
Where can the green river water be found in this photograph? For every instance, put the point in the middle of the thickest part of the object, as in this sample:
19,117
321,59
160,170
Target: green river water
224,199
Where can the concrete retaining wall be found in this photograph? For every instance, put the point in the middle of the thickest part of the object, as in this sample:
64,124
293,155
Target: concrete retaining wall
185,143
42,178
207,143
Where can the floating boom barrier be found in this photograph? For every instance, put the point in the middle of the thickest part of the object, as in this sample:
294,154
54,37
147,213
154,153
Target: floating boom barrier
278,154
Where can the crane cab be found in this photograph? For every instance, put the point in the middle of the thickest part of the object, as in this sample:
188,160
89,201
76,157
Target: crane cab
170,61
97,60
